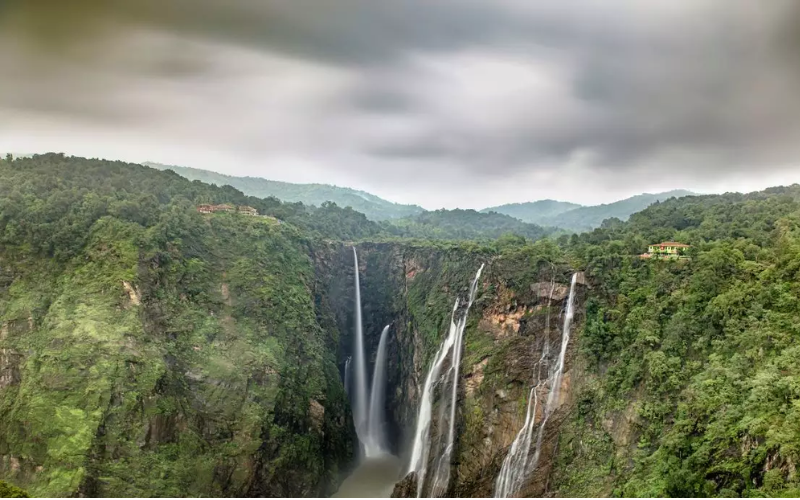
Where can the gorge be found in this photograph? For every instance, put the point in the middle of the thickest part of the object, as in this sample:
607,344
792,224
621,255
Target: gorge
147,349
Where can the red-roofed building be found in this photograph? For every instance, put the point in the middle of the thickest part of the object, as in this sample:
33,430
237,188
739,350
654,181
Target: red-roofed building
665,250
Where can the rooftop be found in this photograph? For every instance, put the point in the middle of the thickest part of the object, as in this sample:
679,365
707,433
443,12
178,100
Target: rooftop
670,244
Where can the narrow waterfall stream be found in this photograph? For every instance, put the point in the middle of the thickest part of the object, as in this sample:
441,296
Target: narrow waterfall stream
348,375
450,349
360,373
376,441
517,466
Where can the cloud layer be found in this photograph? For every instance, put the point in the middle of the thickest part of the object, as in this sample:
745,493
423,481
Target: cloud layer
446,103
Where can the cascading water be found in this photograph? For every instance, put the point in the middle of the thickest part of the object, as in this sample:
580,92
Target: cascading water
450,349
347,375
360,373
375,439
516,466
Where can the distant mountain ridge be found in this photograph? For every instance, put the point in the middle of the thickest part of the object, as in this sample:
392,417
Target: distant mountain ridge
374,207
534,212
542,213
583,218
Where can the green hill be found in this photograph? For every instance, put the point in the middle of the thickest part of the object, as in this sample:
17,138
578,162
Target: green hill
588,218
373,207
534,212
464,225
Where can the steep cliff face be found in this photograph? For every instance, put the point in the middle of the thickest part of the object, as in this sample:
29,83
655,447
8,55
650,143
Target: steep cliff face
156,365
519,306
207,364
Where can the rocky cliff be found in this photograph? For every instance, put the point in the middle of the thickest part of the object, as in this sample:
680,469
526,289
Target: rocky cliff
519,305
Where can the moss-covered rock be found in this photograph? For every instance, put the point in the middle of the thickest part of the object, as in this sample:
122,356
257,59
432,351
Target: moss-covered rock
188,365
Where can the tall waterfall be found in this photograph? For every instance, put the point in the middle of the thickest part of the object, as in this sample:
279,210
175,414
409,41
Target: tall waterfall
376,442
360,373
516,466
450,349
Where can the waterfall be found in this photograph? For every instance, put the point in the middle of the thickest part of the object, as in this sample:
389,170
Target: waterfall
347,375
516,466
452,347
360,375
376,443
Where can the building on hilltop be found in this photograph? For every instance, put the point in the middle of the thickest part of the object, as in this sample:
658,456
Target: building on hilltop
245,210
205,208
666,250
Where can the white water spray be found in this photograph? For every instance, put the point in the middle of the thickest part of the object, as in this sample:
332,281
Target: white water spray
451,347
516,466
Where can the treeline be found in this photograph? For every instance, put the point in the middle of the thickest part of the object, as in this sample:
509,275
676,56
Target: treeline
461,224
49,202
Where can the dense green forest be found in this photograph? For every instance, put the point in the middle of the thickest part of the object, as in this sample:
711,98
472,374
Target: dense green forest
373,207
464,225
695,385
150,350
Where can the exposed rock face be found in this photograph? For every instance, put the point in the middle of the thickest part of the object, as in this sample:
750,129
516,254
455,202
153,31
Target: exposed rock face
9,368
133,295
317,413
475,377
407,487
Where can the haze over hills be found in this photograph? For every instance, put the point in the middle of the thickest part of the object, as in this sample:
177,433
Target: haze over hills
373,207
588,218
574,217
546,213
534,211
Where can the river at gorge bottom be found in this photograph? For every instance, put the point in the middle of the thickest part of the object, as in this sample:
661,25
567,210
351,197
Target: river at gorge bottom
374,478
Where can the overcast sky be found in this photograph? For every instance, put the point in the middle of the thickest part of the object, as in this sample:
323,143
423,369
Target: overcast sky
442,103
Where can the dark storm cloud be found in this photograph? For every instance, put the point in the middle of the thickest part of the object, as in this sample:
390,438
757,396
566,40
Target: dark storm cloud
691,88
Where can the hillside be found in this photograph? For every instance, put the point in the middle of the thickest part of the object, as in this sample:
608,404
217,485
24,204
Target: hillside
148,350
375,208
690,385
534,212
464,225
588,218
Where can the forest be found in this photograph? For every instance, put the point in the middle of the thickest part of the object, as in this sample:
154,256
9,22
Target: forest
698,355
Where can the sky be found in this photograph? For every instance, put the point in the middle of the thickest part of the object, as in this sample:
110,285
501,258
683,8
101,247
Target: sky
445,104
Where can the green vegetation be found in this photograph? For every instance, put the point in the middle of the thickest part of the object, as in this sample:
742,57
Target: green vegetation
464,225
694,362
375,208
11,491
154,351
